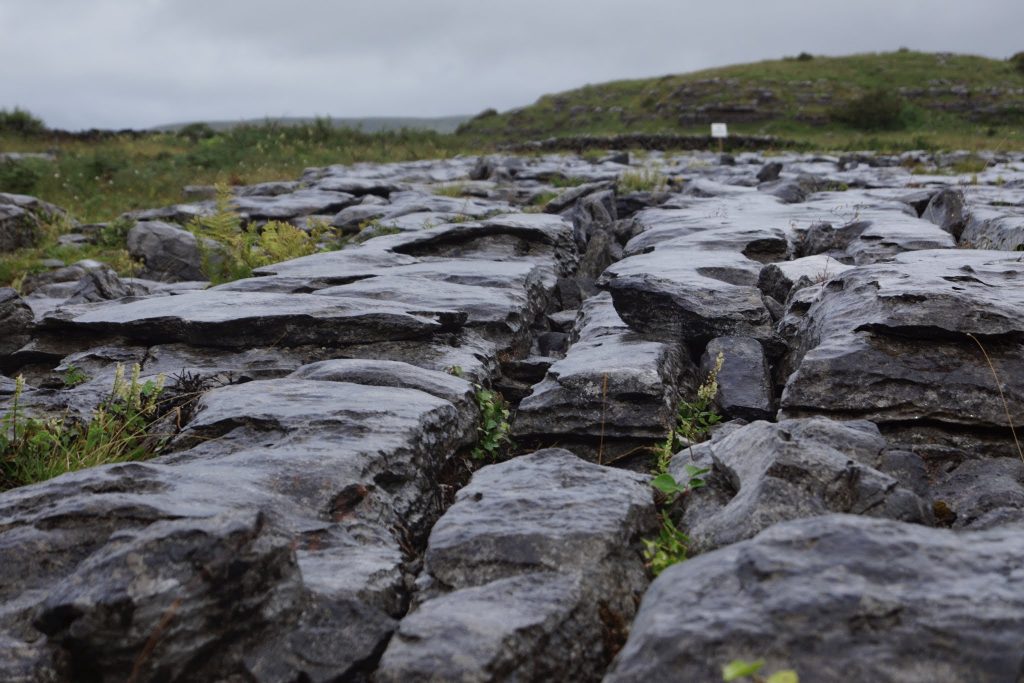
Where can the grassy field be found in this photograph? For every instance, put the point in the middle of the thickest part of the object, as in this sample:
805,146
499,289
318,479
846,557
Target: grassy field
947,102
96,180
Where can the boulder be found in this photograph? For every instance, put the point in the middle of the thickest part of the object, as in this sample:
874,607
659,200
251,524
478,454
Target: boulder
946,209
168,253
18,228
16,321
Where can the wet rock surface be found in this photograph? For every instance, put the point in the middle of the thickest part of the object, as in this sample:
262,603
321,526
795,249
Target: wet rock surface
838,597
317,512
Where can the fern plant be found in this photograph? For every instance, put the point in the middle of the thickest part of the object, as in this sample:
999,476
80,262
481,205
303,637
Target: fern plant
245,247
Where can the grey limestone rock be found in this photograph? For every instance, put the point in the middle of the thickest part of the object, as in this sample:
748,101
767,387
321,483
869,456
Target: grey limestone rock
535,561
838,597
765,473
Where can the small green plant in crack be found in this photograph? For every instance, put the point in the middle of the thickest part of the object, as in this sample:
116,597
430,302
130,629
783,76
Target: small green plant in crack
642,180
695,419
35,449
667,548
73,376
672,489
740,670
494,431
454,190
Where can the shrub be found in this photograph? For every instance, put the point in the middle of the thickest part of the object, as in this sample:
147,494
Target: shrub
194,132
34,449
18,177
804,57
879,109
20,122
1018,62
115,233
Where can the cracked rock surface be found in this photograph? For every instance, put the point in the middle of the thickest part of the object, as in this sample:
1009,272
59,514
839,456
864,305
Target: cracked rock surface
317,513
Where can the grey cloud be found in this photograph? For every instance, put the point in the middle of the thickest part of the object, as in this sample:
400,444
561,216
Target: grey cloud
114,63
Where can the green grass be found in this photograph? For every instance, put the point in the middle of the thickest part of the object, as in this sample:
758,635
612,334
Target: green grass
801,98
36,449
97,180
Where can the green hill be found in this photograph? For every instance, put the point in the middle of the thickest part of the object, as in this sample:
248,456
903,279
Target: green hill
367,124
943,98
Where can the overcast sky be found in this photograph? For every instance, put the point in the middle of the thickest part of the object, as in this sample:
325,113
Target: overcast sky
139,63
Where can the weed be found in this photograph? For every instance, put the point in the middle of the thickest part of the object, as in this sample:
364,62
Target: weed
34,449
563,181
494,430
642,180
375,228
739,669
695,419
19,177
115,233
971,164
668,548
668,485
1002,397
73,376
455,190
542,198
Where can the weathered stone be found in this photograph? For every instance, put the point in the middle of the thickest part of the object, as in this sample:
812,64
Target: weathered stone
612,385
779,280
946,209
15,320
535,561
838,598
765,473
744,383
890,342
769,172
302,202
168,252
232,319
18,228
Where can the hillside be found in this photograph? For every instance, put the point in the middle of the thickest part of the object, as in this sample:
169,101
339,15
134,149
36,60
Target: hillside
367,124
951,98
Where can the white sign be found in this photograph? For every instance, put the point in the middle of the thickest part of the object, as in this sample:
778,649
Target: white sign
719,130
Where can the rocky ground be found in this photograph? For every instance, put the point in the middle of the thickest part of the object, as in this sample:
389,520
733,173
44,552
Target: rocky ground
317,517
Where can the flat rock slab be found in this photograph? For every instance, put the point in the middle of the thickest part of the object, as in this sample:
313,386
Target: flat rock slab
888,342
232,319
838,598
535,560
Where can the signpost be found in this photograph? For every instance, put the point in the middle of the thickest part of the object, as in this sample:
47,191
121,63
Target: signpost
720,131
